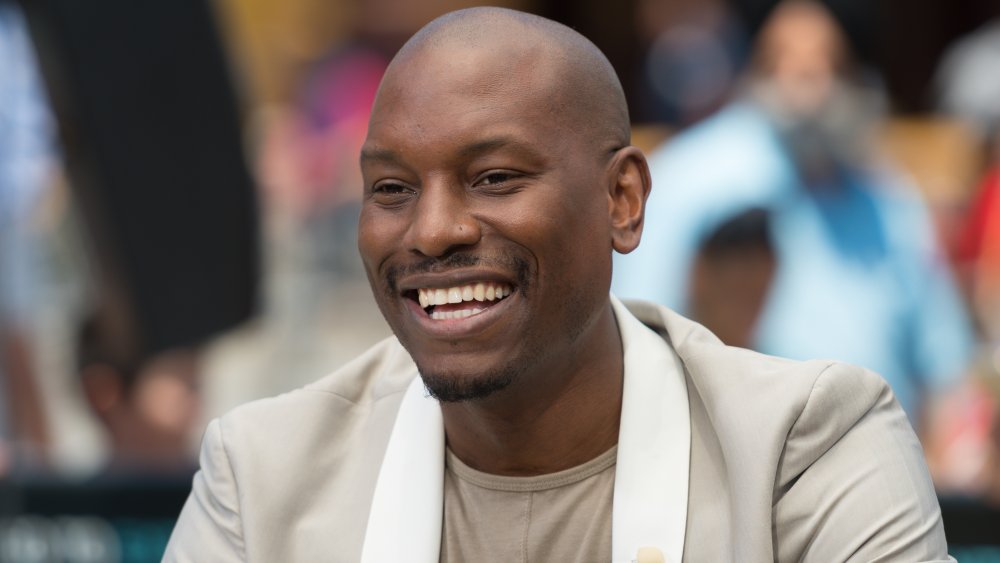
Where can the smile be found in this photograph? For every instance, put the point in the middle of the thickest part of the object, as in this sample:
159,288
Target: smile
461,301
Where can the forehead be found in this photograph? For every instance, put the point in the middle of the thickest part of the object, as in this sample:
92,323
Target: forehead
450,92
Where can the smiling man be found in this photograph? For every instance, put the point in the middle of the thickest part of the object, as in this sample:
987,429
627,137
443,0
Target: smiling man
521,413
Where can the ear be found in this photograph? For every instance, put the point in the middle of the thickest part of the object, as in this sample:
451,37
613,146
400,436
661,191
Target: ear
628,189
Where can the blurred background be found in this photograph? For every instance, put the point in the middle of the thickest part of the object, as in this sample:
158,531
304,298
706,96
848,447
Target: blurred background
179,196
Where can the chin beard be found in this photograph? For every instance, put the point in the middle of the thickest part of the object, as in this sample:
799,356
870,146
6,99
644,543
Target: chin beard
454,389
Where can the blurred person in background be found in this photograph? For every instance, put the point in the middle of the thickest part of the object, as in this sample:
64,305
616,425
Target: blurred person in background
859,274
731,276
967,87
148,406
977,248
967,81
696,50
28,160
965,454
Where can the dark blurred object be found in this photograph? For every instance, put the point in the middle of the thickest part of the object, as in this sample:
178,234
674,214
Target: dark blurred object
153,150
96,521
970,521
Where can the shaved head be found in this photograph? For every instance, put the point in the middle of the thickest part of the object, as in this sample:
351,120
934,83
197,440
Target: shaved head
507,45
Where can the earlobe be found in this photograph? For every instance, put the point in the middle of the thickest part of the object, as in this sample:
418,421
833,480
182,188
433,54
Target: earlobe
627,192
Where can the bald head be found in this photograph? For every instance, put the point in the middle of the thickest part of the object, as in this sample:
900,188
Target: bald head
576,81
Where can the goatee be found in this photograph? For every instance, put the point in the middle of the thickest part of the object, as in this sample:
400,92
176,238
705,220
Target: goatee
454,388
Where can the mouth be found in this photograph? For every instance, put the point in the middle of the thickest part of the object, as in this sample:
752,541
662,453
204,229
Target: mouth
460,302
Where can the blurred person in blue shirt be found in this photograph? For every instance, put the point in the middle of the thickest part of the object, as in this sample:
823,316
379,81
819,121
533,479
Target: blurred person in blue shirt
859,276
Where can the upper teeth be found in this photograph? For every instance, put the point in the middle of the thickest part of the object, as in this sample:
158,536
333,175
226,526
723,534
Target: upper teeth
485,291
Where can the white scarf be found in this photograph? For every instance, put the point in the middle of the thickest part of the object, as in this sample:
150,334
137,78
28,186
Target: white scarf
651,479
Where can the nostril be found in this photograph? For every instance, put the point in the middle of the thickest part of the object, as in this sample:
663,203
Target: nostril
444,223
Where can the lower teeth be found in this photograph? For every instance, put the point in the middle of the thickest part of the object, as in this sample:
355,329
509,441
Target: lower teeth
459,314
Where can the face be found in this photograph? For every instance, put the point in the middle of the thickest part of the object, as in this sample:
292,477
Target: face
801,51
485,222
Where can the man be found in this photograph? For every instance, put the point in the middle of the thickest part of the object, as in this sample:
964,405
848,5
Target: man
498,179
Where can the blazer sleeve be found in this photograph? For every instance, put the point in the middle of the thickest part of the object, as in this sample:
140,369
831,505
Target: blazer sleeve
852,484
209,527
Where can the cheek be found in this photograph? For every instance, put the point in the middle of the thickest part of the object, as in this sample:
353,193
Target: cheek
579,220
375,235
569,236
583,235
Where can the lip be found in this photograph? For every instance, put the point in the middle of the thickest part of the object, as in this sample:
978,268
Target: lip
453,278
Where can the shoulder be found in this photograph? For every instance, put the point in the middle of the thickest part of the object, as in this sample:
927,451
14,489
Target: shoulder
278,474
748,392
778,403
383,371
820,450
319,422
720,372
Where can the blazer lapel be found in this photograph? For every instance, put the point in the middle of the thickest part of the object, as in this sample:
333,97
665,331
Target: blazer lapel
654,446
406,514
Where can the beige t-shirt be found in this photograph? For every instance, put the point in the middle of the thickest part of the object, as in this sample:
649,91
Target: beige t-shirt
563,516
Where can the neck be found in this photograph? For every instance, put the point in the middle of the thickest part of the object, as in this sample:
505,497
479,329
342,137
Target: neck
562,413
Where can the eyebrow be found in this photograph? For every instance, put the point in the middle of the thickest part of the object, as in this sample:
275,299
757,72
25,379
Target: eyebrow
477,148
496,143
370,154
485,146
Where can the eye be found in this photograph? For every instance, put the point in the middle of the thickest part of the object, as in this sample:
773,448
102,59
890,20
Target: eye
494,178
390,188
501,182
390,192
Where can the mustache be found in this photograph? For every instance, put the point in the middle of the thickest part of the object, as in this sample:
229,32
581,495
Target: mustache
437,265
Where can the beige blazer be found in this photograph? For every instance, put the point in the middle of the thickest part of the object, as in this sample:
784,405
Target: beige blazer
789,461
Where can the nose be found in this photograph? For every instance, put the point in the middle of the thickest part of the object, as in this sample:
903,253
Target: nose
442,221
